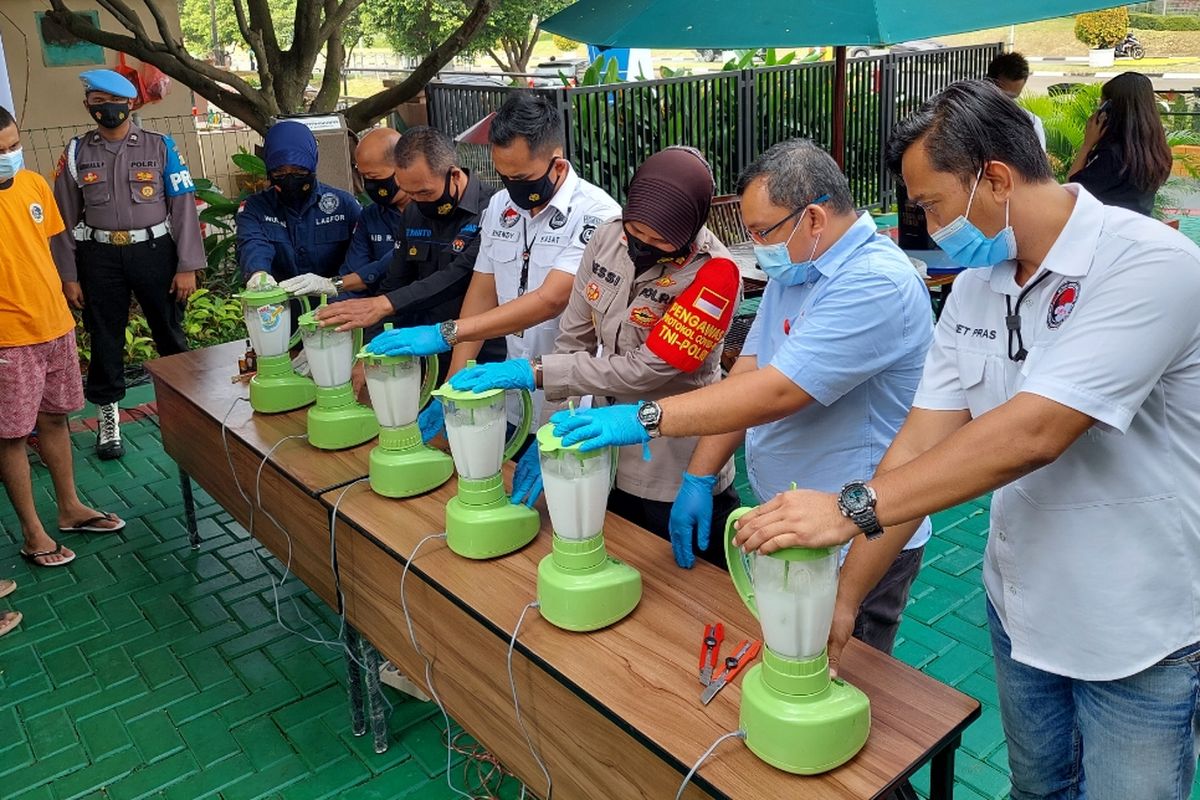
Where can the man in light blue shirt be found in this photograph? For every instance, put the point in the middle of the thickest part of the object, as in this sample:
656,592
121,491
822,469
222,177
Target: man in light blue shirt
828,371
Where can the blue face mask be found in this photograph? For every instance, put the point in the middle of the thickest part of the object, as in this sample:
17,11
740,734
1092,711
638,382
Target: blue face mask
968,247
11,164
776,261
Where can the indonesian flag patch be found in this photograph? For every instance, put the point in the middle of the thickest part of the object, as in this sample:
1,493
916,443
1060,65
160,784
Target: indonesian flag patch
693,325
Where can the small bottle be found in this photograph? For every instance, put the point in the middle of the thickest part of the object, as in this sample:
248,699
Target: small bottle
249,360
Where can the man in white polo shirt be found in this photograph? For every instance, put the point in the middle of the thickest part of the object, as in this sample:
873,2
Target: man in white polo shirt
532,236
1064,375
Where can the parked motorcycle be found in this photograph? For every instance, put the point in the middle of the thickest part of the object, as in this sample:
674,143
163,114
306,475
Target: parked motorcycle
1130,47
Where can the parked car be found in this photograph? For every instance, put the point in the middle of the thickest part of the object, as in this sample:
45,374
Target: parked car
548,74
473,79
915,46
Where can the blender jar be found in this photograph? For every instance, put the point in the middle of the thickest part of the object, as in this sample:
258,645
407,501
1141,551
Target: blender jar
477,430
330,355
576,486
795,591
395,390
268,321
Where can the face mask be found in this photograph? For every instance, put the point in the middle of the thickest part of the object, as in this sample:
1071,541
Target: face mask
11,164
645,256
109,115
531,194
294,187
441,207
968,247
381,192
776,261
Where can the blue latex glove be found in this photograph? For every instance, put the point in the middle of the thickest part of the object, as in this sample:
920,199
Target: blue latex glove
424,340
691,514
432,421
527,480
514,374
606,426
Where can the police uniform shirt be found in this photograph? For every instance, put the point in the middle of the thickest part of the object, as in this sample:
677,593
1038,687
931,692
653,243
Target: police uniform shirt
520,250
128,185
372,245
275,238
1091,561
854,336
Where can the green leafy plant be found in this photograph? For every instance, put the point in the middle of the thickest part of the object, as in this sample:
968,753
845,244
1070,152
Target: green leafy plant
1101,30
212,319
1159,22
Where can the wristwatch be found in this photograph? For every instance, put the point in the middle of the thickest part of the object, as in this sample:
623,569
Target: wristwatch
536,363
857,502
338,284
649,414
449,331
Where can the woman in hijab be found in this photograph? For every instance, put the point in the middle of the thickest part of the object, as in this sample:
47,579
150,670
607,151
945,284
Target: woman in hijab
653,298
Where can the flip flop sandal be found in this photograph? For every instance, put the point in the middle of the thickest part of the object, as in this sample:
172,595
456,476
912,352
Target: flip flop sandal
89,525
9,620
7,587
32,558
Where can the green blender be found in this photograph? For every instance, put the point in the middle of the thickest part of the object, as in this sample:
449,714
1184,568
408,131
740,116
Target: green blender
275,387
481,522
580,587
402,465
337,421
795,716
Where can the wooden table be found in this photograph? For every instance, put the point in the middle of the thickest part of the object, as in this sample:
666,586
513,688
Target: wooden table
614,713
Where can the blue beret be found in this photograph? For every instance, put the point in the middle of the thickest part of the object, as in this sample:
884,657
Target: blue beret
290,144
106,80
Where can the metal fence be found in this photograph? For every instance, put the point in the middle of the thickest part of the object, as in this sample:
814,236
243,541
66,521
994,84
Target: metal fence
731,116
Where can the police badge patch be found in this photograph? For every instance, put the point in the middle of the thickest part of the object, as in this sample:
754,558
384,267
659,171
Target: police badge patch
509,217
585,235
36,211
558,220
328,203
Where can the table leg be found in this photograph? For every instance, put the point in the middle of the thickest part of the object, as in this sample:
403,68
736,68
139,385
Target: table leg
941,772
358,721
375,701
189,509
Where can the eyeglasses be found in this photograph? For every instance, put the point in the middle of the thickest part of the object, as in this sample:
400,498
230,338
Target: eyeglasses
761,235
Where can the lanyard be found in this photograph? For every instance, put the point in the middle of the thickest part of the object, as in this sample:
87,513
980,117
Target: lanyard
525,255
1013,321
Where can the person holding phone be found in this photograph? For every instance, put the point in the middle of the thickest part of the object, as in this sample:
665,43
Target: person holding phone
1124,159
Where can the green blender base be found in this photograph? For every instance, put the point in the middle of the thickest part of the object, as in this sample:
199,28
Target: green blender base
799,720
337,421
402,466
276,387
482,523
581,588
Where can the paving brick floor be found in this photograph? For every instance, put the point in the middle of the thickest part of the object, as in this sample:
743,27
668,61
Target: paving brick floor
147,669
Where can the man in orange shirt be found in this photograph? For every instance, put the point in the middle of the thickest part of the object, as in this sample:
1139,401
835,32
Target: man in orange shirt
39,368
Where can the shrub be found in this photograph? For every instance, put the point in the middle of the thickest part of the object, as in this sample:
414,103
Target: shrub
1101,30
564,44
1158,22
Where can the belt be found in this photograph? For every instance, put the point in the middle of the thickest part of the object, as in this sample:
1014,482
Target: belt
86,233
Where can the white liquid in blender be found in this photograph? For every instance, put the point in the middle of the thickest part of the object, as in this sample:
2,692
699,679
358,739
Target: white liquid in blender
269,328
576,504
796,618
330,356
478,449
394,397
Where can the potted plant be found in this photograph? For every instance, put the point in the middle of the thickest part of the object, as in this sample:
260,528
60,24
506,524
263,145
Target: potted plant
1101,31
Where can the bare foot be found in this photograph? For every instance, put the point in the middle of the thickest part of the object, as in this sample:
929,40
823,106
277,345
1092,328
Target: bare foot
80,515
9,620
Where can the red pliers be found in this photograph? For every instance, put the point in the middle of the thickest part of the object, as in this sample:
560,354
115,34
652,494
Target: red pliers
710,651
746,652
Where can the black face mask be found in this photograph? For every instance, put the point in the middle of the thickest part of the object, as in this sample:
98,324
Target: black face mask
294,187
531,194
109,115
382,192
443,206
645,256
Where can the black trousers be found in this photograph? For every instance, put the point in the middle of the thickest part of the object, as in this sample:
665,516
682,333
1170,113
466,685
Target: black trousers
655,516
109,275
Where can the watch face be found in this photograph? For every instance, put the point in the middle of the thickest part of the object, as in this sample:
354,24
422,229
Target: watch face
856,498
648,413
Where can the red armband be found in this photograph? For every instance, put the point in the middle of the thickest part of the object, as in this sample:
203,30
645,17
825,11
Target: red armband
696,322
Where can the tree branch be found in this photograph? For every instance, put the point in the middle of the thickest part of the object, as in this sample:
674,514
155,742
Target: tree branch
365,112
498,59
254,38
164,30
336,18
331,79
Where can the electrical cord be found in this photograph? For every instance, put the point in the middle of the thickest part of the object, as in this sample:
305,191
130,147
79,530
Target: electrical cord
412,637
738,734
512,682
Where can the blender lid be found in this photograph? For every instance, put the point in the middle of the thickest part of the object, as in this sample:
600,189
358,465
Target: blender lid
263,297
466,398
377,359
549,443
802,553
308,320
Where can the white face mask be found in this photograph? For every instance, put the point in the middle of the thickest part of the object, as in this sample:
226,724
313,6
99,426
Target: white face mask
11,164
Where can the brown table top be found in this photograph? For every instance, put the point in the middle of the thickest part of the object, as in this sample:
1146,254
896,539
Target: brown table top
641,672
204,378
